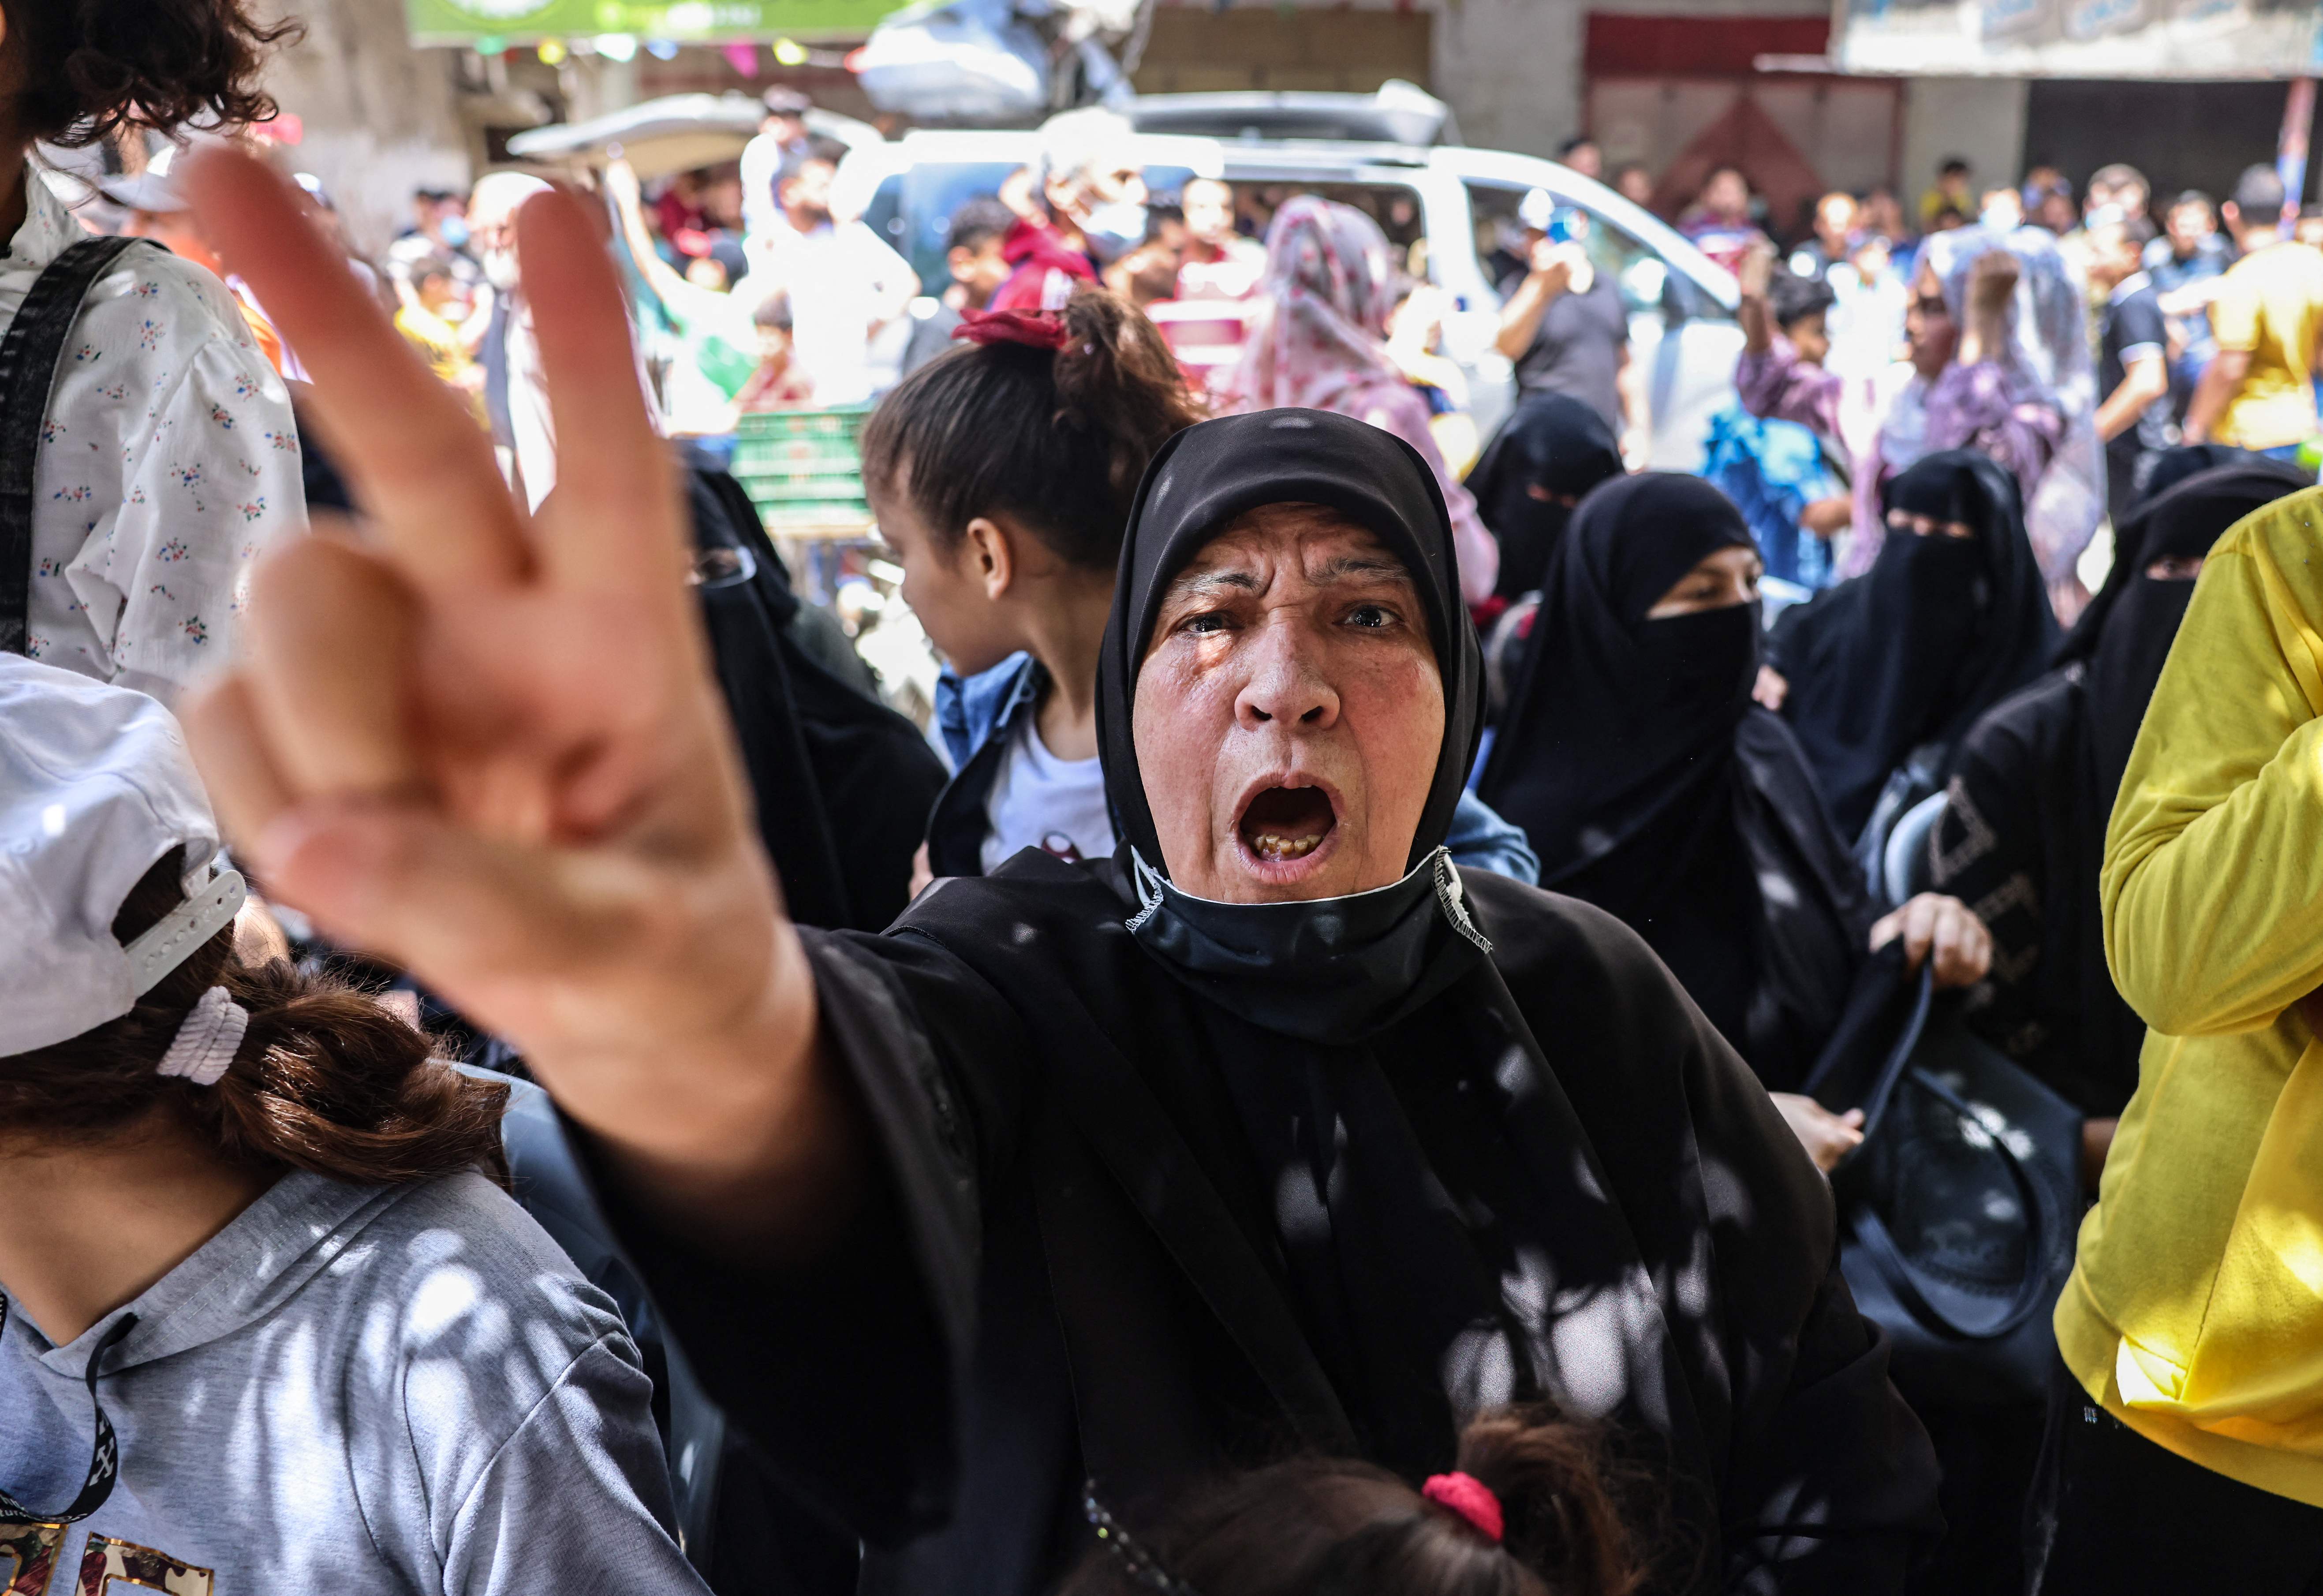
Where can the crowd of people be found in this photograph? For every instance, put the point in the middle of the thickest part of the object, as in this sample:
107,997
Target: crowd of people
1402,1034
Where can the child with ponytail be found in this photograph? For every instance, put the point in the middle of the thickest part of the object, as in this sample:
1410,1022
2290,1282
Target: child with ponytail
1532,1507
1002,474
267,1320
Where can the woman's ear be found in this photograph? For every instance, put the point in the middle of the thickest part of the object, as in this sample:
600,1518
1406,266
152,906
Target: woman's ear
990,556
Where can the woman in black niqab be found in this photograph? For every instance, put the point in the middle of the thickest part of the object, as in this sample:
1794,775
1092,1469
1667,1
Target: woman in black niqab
1906,657
1546,456
2022,833
1651,786
1201,1182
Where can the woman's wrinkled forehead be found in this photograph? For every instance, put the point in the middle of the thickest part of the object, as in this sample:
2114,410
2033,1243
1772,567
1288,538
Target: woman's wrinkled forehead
1330,549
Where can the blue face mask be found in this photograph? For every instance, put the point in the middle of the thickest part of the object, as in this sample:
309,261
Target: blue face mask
1114,229
455,232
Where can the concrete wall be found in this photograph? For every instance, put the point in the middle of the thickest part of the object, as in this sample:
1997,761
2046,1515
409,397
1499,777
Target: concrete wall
1512,70
1980,119
382,118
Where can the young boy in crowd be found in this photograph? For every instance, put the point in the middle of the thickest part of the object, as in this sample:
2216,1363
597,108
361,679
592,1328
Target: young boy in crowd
1773,470
972,255
2132,357
778,383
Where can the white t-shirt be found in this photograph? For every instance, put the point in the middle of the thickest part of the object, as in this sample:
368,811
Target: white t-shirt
841,279
1040,801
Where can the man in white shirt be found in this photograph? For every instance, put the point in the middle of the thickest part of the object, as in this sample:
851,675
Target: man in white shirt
844,283
782,138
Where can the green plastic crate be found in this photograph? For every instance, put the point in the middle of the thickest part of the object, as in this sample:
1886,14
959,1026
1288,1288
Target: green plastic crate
804,468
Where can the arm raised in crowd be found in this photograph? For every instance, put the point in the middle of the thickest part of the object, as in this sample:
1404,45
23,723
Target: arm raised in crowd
2212,870
486,746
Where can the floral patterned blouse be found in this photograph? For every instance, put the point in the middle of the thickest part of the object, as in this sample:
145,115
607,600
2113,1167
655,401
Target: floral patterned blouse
169,458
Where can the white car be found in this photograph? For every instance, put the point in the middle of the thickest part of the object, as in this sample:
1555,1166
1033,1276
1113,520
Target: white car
1681,304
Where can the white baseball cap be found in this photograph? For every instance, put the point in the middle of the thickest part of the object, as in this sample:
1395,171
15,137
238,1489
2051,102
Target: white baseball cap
96,787
1535,209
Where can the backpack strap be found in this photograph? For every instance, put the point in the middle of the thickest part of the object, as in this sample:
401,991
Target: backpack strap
28,354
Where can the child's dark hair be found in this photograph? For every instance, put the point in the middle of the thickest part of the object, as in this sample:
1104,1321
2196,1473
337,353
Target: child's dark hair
1056,441
774,312
84,68
326,1079
1792,297
1572,1526
978,220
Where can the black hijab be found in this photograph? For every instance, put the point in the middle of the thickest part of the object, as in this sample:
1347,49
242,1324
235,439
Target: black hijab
1337,970
1650,787
1910,653
1551,442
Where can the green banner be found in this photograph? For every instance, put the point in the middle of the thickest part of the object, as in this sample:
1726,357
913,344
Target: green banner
713,22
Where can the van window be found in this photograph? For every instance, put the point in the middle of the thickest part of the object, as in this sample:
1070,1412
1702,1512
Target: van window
1647,281
885,216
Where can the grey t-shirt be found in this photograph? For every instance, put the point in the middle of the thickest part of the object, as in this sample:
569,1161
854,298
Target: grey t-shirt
1577,351
351,1389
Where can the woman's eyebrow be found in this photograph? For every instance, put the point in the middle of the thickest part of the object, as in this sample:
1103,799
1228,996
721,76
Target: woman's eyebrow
1360,567
1198,583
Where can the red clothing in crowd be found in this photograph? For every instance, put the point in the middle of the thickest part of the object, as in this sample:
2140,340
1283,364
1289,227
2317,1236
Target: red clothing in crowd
1045,271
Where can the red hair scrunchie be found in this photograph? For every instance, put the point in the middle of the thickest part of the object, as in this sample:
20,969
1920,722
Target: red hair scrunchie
1470,1497
1034,329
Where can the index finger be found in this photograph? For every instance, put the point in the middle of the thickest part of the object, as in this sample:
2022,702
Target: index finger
611,465
417,460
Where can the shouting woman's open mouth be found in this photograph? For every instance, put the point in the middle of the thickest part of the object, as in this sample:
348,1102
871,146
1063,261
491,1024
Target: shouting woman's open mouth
1282,826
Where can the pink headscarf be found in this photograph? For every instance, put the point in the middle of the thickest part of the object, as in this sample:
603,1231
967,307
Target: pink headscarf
1319,342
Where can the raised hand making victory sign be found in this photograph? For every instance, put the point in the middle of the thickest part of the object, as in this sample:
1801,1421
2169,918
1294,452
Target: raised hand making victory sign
485,745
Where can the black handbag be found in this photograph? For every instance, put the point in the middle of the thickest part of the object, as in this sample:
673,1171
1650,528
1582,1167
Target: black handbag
1958,1213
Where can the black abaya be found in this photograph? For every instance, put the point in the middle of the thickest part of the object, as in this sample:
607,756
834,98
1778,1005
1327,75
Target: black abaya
1174,1185
1907,655
2023,833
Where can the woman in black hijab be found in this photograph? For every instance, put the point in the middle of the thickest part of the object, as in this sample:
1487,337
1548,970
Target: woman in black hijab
2032,786
1894,665
1549,453
1276,1131
1652,787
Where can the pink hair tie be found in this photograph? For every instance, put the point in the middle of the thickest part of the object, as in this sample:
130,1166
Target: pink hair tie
1470,1497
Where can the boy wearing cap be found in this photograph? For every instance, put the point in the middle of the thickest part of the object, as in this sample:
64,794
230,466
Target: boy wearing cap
265,1323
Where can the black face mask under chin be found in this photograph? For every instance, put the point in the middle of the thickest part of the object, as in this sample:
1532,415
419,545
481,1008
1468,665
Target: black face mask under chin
1330,970
1705,660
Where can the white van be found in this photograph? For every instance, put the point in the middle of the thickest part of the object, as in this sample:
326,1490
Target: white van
1344,147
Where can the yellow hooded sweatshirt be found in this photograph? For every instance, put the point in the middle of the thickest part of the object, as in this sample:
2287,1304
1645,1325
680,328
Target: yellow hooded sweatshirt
2195,1312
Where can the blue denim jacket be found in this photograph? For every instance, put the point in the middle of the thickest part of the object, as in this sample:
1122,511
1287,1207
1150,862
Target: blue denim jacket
976,715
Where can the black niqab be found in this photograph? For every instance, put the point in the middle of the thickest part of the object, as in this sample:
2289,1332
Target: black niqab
1550,452
1621,724
1912,652
2049,765
1650,787
2129,639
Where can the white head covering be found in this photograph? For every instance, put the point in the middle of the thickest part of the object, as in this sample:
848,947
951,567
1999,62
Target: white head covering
96,785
